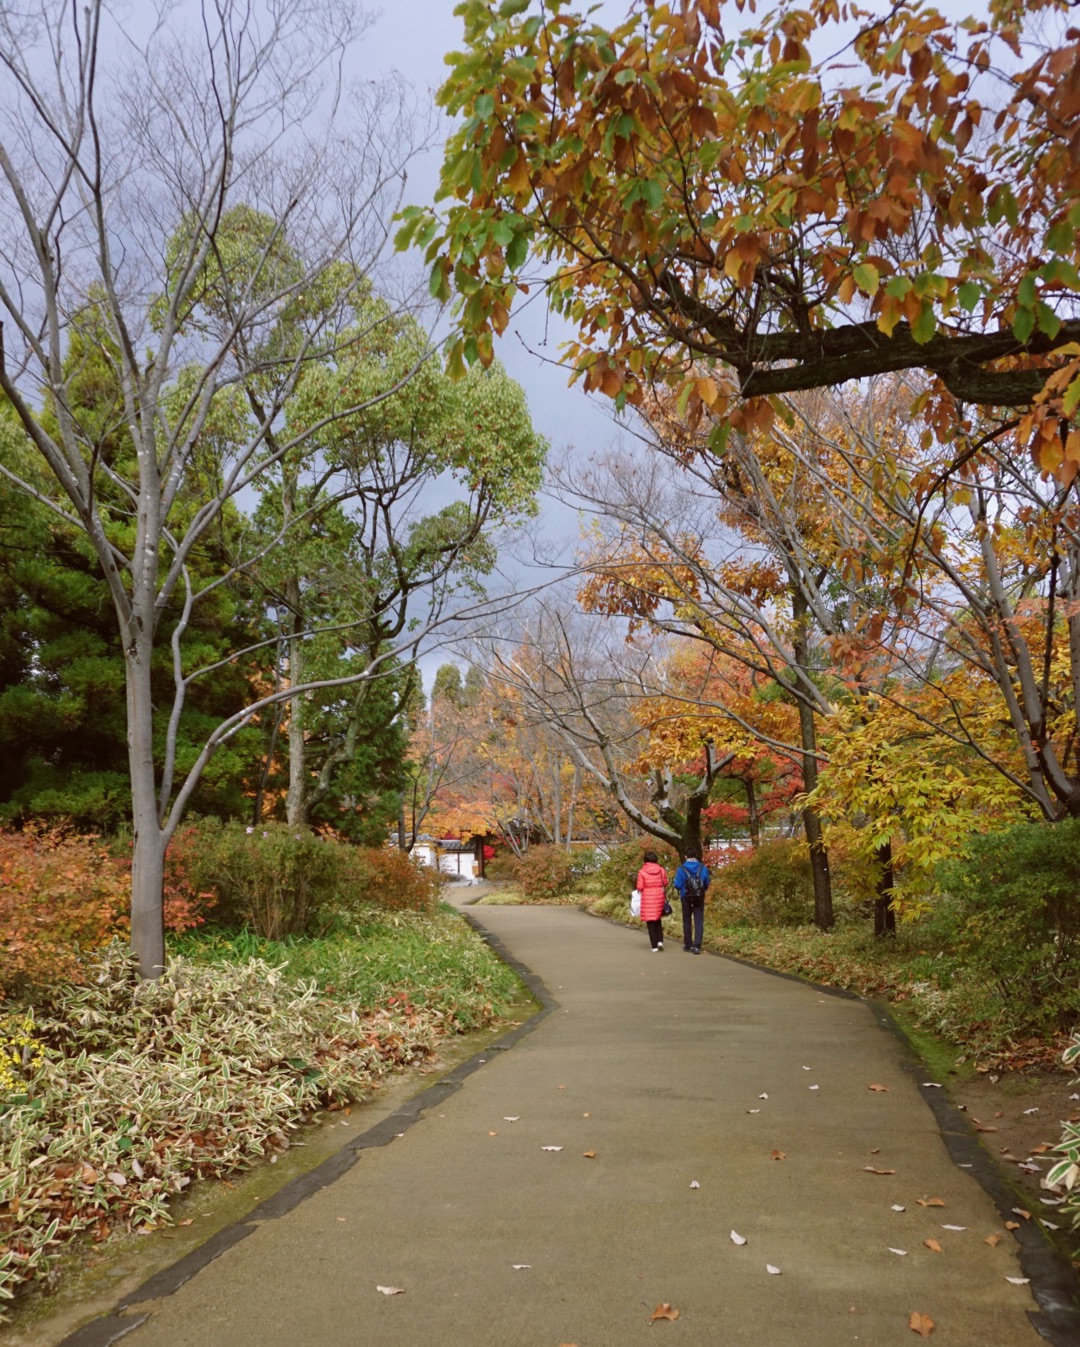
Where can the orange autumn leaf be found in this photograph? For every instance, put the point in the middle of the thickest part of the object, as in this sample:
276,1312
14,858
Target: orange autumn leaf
879,1089
993,1240
921,1324
929,1202
663,1311
933,1245
778,1155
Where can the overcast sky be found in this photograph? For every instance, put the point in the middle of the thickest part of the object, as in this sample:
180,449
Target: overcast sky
412,37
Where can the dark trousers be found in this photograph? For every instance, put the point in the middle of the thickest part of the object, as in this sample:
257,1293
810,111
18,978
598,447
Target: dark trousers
656,932
697,911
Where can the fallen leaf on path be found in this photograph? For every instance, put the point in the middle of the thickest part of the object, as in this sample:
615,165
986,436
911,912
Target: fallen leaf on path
586,1115
663,1311
774,1270
1049,1224
562,1087
1018,1281
931,1085
875,1150
921,1324
879,1089
871,1170
391,1290
1019,1211
551,1148
980,1127
1041,1148
753,1110
993,1240
763,1096
1029,1111
493,1134
929,1202
187,1222
694,1183
901,1252
521,1267
897,1207
998,1114
808,1068
588,1155
1012,1225
516,1118
954,1227
778,1155
340,1218
737,1238
814,1087
933,1245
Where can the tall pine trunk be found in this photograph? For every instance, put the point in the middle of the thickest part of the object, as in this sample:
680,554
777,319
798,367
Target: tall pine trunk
148,858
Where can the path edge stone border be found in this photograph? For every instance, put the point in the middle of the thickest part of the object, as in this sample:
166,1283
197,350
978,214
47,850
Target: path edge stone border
110,1327
1053,1282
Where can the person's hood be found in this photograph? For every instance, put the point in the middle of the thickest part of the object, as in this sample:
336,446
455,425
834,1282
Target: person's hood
652,865
692,863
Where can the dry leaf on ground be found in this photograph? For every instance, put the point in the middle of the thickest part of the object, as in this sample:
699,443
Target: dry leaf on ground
663,1311
929,1202
391,1290
521,1267
933,1245
901,1252
775,1271
879,1089
736,1238
1018,1281
778,1155
517,1118
493,1134
897,1207
551,1148
1019,1211
993,1240
694,1183
1012,1225
871,1170
954,1227
921,1324
588,1155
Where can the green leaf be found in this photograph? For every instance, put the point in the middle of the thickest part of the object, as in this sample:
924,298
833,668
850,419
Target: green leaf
1049,322
518,251
867,278
1023,324
484,107
652,194
509,8
898,286
438,283
970,294
924,327
1025,293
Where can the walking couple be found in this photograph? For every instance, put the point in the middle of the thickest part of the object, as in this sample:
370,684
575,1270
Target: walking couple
691,880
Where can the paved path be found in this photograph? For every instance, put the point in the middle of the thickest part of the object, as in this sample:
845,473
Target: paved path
659,1064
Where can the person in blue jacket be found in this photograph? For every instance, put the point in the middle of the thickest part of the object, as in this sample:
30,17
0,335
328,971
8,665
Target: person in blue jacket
691,880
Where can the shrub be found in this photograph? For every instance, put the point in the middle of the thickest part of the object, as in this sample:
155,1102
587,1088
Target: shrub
771,885
280,881
1012,909
61,895
386,878
500,869
544,872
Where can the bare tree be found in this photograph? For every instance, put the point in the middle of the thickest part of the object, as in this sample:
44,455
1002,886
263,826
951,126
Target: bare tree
585,687
203,209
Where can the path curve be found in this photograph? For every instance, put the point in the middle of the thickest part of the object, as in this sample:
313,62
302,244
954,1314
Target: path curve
673,1070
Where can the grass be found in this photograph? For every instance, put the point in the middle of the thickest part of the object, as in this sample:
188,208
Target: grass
437,961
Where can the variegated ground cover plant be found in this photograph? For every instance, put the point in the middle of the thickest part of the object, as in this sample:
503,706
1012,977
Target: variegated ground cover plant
116,1093
1066,1172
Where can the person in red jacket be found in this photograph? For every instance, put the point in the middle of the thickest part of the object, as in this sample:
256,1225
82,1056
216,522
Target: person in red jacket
652,885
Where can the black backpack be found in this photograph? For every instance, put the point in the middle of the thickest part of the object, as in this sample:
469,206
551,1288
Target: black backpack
693,885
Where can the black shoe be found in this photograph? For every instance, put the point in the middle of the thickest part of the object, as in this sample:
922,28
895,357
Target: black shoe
688,949
695,949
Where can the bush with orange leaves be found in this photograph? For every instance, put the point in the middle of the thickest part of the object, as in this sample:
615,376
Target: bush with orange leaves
61,895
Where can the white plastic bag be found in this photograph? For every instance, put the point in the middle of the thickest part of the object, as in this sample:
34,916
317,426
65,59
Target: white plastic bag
635,903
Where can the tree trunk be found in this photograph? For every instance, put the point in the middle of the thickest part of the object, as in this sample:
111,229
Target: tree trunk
819,857
402,840
753,821
884,912
295,810
148,857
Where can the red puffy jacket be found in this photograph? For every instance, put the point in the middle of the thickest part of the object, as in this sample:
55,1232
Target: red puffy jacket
652,885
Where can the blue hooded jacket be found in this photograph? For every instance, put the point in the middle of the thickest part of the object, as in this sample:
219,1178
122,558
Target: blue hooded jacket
691,867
